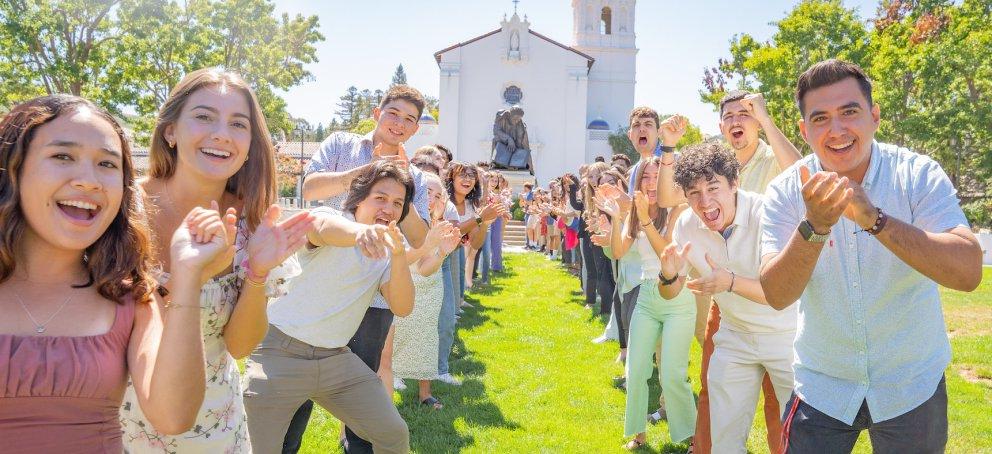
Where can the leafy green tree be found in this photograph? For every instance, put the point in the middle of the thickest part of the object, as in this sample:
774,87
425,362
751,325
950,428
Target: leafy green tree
364,127
128,54
814,30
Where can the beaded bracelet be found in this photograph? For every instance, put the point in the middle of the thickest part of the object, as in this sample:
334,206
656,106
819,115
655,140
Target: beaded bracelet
880,222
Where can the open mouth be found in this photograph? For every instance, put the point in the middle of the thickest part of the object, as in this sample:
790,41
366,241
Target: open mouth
841,148
382,219
711,215
215,153
79,210
737,133
395,132
642,141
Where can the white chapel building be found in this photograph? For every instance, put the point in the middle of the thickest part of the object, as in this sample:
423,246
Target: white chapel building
573,96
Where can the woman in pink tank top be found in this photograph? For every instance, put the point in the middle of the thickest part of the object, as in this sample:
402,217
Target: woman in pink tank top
79,316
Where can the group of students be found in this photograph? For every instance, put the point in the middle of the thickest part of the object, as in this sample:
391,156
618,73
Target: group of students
812,280
127,302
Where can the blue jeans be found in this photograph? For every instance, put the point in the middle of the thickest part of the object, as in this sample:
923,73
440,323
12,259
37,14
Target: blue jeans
485,252
461,271
496,244
446,319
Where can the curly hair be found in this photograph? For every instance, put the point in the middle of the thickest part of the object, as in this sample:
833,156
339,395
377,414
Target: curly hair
706,160
362,185
119,262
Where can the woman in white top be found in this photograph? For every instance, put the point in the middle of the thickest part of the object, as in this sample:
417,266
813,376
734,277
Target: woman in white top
671,321
464,183
211,143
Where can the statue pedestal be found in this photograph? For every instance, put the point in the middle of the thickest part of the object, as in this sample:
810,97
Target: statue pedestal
517,178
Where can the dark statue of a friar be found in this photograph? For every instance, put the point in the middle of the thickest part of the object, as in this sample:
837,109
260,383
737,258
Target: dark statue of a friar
511,148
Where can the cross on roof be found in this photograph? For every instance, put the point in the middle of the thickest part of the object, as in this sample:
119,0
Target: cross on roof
515,6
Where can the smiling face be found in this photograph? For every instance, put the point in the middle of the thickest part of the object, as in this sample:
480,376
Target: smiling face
212,135
436,197
72,181
396,121
739,128
839,125
464,181
384,203
649,182
714,201
643,134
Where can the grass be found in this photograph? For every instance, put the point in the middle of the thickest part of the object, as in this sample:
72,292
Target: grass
534,383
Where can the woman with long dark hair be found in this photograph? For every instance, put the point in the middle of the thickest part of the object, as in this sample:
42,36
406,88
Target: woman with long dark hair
77,292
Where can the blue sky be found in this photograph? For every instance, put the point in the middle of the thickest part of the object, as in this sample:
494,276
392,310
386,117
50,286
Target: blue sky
366,40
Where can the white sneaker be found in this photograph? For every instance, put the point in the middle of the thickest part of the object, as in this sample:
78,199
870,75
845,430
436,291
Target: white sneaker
600,339
447,378
398,383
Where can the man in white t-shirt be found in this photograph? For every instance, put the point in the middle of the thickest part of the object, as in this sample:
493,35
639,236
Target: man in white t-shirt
718,240
305,355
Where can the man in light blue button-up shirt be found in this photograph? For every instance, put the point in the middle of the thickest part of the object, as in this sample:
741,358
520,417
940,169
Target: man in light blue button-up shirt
862,233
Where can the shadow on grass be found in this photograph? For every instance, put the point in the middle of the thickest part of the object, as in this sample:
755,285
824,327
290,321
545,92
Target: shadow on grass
442,431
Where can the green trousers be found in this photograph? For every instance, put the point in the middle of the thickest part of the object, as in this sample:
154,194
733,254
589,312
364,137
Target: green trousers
674,323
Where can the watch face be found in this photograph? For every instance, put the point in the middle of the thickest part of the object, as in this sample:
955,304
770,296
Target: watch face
808,234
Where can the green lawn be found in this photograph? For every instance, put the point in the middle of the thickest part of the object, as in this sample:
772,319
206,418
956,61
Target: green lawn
534,382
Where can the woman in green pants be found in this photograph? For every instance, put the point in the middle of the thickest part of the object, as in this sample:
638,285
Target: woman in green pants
670,321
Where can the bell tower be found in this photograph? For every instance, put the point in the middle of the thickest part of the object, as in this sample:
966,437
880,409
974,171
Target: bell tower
604,29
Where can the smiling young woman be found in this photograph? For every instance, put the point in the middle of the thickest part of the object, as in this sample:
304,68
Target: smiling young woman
211,143
76,290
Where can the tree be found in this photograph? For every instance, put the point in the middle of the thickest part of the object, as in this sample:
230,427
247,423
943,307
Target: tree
364,127
319,134
348,107
127,54
399,77
51,47
814,30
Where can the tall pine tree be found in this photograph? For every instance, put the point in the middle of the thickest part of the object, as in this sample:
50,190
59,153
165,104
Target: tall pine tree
399,77
348,107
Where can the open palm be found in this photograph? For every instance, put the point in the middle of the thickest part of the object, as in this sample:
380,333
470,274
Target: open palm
273,242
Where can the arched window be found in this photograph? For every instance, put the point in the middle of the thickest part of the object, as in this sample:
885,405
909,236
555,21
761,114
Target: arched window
606,21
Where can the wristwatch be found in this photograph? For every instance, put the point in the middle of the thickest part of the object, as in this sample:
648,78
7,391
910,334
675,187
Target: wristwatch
478,220
667,149
806,230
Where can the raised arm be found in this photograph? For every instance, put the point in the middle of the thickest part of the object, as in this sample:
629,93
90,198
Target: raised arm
785,152
672,130
398,291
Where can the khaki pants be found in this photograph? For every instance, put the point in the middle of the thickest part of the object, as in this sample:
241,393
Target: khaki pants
284,372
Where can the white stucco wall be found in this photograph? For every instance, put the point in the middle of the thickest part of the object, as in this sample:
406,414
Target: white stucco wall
554,85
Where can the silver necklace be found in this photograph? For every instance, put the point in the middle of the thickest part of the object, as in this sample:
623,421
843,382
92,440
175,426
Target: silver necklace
39,328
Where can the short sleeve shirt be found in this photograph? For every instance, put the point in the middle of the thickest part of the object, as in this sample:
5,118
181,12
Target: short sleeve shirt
871,327
322,318
759,170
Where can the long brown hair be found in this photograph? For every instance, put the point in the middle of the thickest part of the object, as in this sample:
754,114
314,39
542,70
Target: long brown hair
662,217
589,189
255,183
118,262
